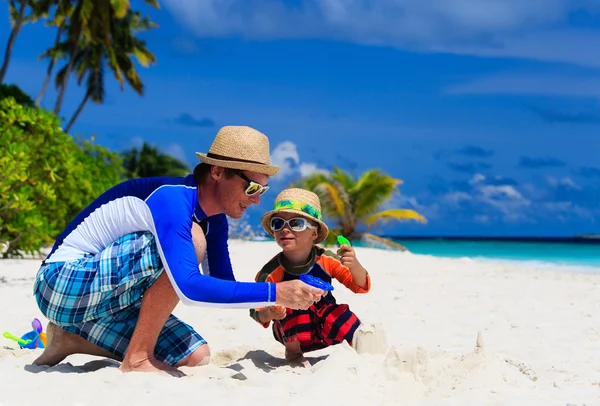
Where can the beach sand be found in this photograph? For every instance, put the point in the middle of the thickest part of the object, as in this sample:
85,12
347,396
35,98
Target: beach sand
458,332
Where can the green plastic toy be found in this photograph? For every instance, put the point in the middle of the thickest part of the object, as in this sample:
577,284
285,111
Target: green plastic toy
343,240
15,338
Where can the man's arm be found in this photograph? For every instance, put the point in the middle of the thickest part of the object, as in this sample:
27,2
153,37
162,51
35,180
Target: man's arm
171,208
217,249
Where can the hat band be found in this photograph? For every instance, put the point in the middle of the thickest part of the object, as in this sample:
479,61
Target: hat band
297,205
228,158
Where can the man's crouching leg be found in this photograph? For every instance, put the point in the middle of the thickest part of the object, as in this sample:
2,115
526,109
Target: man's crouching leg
200,357
60,344
158,303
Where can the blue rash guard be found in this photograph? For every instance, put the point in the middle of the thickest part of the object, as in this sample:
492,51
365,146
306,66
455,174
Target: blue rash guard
166,207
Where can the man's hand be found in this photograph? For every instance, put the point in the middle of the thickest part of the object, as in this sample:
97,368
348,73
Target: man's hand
270,313
297,294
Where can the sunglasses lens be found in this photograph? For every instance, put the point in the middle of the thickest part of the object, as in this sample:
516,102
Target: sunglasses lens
264,189
298,224
277,224
252,189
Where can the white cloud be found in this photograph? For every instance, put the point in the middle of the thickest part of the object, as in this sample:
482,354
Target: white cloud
285,155
308,168
505,28
565,211
565,181
476,178
505,199
402,201
176,151
455,198
571,46
536,84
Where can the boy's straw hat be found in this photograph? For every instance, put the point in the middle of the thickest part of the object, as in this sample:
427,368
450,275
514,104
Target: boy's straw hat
240,147
302,202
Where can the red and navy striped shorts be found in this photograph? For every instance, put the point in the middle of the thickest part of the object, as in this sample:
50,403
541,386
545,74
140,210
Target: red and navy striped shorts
317,327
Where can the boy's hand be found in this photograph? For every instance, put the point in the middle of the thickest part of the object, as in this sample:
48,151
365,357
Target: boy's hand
348,259
272,313
347,256
277,312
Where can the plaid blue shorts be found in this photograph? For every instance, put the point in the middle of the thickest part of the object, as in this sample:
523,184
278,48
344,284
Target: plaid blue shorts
98,297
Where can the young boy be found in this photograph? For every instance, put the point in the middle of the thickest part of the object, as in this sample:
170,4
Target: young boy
295,223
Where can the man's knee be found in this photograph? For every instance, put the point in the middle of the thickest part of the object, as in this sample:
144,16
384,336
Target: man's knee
201,356
199,241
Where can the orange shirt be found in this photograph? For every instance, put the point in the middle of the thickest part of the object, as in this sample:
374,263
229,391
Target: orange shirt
322,264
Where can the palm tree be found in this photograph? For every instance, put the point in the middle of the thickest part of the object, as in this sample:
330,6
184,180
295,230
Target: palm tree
150,162
62,12
91,59
92,21
17,10
91,63
351,202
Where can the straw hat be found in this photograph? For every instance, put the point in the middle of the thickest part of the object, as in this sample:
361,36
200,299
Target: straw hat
240,147
302,202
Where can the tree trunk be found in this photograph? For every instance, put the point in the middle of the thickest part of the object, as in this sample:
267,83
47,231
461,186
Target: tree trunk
12,38
78,111
63,85
38,101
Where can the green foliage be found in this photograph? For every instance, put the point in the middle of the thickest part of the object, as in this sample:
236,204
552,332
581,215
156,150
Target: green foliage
350,203
13,91
150,162
47,177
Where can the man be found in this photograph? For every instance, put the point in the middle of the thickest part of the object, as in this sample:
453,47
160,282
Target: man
115,274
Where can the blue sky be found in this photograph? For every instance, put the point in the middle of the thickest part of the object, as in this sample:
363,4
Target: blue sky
488,111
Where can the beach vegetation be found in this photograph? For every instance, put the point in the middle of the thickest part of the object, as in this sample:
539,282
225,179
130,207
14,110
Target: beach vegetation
47,178
148,161
352,205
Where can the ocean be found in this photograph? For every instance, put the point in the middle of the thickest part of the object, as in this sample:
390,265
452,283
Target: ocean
567,253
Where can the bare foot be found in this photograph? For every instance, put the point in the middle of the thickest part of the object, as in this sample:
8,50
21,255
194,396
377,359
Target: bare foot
294,355
149,365
60,344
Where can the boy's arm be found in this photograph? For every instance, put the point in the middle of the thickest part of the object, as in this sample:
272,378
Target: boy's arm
264,275
343,274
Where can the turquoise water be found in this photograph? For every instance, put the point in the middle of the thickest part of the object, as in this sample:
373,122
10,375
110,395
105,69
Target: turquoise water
570,253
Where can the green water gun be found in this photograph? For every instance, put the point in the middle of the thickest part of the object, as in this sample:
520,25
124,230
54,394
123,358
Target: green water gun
343,240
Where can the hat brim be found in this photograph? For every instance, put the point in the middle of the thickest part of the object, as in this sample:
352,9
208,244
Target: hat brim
269,170
322,231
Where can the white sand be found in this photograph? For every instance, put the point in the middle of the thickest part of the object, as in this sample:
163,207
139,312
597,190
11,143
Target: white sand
459,333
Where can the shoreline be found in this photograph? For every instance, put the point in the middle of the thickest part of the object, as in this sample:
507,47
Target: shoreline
563,266
527,263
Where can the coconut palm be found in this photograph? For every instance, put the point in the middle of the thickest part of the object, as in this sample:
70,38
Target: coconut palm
93,21
18,17
350,203
91,60
62,12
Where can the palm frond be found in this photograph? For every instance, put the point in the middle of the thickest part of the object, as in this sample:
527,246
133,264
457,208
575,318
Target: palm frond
394,214
333,198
